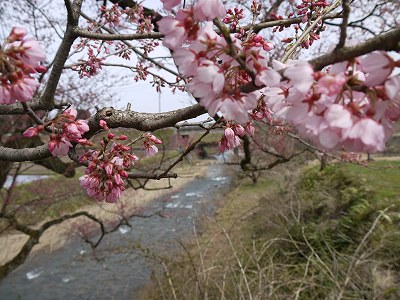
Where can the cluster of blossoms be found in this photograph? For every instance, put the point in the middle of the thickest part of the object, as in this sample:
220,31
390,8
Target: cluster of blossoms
20,58
233,17
232,134
113,16
351,105
65,130
310,8
149,144
103,179
106,168
307,11
215,76
128,19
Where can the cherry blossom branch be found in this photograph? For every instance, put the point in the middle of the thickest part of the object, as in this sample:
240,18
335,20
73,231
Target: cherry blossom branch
116,36
260,26
137,51
191,124
232,51
31,113
389,41
306,32
352,25
133,69
155,16
18,109
156,35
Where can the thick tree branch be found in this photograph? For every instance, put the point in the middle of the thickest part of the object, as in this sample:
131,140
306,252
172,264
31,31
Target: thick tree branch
114,118
25,154
142,121
389,41
47,97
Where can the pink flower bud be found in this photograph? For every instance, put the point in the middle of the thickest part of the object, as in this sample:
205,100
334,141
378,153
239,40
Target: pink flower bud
17,34
123,173
41,69
122,137
239,130
31,132
229,133
103,124
111,135
250,129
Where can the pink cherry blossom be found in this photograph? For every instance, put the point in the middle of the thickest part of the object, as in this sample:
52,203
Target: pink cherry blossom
331,84
208,10
169,4
71,113
368,136
300,74
239,130
175,34
250,129
103,124
378,65
338,117
392,87
5,94
150,150
24,88
29,51
59,146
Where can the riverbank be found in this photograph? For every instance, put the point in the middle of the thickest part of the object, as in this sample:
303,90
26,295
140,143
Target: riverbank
296,235
131,203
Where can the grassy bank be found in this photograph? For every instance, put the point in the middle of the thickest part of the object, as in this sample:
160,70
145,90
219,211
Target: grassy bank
297,235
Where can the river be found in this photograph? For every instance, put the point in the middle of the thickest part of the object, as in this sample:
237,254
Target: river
124,261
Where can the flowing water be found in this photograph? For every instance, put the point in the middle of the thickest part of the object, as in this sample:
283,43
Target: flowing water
121,265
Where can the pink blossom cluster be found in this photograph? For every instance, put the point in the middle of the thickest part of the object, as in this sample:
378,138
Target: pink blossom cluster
89,68
310,8
103,179
149,144
307,10
20,58
233,17
351,105
65,131
132,18
111,16
215,76
232,134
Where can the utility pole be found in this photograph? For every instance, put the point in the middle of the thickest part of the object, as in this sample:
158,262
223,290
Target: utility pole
159,101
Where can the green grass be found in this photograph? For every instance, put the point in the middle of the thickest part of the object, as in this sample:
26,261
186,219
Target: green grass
383,176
